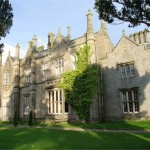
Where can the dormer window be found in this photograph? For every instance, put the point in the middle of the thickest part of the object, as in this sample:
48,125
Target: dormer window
44,70
7,78
59,66
28,75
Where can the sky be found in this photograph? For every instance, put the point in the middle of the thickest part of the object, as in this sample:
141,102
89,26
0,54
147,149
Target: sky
39,17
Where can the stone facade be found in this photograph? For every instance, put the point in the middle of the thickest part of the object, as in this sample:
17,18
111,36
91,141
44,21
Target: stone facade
30,84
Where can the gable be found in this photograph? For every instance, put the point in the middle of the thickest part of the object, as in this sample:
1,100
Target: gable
125,51
59,41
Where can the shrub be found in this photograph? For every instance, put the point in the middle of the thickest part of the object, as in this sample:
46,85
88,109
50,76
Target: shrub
15,119
30,123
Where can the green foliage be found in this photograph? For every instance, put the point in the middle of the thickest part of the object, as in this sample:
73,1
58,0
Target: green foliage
80,85
15,119
40,48
133,11
30,122
6,16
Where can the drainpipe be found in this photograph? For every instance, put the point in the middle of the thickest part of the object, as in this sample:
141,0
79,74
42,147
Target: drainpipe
98,88
100,91
102,99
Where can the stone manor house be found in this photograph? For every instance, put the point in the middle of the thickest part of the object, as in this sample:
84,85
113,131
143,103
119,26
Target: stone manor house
30,84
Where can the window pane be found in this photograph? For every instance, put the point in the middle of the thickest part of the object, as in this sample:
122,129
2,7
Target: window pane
60,95
132,72
130,107
125,108
127,71
26,105
124,98
56,95
66,107
135,93
129,96
123,71
52,95
59,66
60,107
136,106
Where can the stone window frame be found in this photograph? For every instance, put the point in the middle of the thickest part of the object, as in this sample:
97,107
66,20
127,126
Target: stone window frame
127,69
74,61
59,65
44,68
26,104
56,102
6,81
130,100
27,75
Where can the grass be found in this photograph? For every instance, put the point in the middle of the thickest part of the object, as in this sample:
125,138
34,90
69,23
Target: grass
113,125
44,138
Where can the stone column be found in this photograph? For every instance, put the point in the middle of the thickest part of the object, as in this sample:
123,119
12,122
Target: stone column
33,71
89,21
34,42
68,36
51,37
17,50
90,35
16,67
1,51
136,38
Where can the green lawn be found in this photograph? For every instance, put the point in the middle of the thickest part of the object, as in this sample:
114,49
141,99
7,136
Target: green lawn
44,138
114,125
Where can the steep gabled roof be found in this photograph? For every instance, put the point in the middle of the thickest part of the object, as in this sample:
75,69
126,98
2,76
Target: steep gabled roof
127,38
59,40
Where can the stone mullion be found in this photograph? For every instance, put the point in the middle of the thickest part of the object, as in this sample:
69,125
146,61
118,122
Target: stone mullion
133,101
51,102
63,103
54,101
59,101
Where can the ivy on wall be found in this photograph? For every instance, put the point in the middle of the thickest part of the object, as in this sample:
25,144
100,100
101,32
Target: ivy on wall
80,85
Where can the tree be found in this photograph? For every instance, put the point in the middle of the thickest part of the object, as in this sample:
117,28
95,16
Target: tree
6,17
133,11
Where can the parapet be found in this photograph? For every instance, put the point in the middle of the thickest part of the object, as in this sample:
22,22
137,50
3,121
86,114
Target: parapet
140,37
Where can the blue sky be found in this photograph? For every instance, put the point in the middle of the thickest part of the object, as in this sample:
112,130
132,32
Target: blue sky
39,17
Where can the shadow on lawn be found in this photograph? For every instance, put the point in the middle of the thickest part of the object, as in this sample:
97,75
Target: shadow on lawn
43,138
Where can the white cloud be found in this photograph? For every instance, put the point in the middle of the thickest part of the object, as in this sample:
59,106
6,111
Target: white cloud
12,49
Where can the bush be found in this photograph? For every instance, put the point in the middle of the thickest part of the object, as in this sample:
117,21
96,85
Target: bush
15,119
30,123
